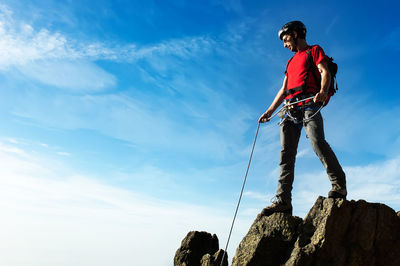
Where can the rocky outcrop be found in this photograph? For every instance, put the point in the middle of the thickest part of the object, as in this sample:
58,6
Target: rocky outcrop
334,232
214,260
200,249
268,240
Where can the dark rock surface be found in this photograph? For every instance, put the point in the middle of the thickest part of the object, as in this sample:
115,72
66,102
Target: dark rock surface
199,248
268,240
214,260
335,232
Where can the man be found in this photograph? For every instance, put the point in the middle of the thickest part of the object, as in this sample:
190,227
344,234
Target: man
299,83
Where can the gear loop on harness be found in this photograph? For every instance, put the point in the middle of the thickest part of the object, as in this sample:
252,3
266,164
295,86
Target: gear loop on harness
286,112
297,113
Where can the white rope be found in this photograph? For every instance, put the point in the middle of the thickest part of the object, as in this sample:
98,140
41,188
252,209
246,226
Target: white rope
295,119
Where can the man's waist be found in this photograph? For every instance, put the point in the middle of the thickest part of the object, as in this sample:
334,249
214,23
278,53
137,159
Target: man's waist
301,99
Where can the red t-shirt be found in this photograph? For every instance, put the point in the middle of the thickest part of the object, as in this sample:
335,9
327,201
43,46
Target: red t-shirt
297,70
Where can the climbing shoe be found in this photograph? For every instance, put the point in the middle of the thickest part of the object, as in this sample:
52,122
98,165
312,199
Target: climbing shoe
277,206
337,192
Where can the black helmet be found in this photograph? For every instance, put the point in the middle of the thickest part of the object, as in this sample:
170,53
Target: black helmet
297,26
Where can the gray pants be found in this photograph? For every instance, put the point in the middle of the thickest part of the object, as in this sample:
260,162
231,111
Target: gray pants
290,134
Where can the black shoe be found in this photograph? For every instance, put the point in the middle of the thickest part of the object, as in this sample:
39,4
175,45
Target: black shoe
277,206
337,192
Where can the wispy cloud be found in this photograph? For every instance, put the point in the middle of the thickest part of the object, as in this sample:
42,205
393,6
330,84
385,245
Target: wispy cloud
231,5
57,60
211,125
258,196
47,57
46,211
376,182
77,76
21,43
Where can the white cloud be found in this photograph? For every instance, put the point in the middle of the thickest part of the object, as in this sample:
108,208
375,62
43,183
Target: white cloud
303,153
154,123
376,182
57,60
48,57
258,196
53,218
63,153
77,76
21,43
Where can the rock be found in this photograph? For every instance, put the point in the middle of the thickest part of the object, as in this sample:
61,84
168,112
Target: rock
268,241
214,260
339,232
335,232
199,248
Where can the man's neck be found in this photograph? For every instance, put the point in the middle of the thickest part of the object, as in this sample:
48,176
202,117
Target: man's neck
301,45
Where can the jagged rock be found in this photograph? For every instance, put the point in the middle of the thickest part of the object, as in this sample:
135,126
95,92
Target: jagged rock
334,232
214,260
339,232
268,240
199,249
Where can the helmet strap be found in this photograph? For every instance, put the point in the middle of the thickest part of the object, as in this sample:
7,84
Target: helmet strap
294,40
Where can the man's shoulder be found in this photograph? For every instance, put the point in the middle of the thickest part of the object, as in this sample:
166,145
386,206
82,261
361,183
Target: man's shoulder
317,54
316,47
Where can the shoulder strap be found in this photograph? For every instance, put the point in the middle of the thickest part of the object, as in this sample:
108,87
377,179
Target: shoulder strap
287,65
286,92
310,64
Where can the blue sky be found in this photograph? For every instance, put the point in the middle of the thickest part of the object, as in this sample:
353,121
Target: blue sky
126,124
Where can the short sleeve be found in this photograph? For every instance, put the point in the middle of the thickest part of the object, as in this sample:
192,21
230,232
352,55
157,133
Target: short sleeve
287,65
318,54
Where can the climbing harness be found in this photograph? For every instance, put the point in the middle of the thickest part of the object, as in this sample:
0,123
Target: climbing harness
295,119
282,112
285,112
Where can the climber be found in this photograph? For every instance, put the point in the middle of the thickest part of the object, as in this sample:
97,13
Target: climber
299,84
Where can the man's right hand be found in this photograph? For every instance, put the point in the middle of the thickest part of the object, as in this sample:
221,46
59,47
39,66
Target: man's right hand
265,116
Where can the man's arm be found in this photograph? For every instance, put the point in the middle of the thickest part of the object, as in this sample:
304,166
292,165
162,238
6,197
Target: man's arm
322,95
280,96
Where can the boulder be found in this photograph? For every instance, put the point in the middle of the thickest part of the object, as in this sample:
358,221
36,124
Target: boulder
199,249
269,240
334,232
340,232
214,260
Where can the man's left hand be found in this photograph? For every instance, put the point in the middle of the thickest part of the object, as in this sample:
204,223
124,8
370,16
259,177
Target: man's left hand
320,97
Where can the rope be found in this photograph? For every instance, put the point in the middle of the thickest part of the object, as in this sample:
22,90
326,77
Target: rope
309,118
241,193
305,120
247,171
293,118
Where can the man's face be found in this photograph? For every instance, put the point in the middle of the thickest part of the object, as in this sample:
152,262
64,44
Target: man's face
288,42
